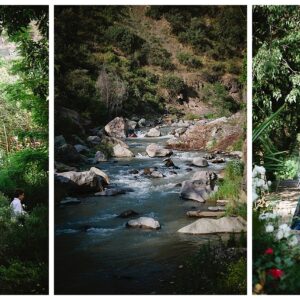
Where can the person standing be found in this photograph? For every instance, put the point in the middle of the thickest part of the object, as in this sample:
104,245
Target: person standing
16,204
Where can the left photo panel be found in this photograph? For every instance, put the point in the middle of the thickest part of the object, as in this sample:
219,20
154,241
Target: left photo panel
24,90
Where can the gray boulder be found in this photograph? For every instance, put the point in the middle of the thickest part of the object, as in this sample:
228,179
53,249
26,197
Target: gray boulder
153,132
94,139
59,141
81,148
121,151
211,226
154,150
67,154
91,181
117,128
200,162
144,222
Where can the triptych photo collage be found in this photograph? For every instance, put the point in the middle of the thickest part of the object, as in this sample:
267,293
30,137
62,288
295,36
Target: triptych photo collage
149,149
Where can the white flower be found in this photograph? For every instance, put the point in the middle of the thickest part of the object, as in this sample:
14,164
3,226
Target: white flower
267,215
269,228
269,183
279,235
286,230
293,241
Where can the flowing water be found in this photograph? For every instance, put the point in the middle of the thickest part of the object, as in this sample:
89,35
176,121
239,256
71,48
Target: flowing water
108,258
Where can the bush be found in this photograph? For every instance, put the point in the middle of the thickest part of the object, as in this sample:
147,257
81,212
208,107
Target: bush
124,39
158,56
23,251
189,60
173,84
27,169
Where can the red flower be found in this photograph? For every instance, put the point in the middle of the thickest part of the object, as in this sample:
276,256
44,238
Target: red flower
269,251
275,273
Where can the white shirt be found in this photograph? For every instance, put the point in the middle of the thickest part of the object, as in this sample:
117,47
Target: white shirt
17,207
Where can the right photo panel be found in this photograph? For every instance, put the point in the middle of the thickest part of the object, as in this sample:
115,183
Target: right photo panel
276,146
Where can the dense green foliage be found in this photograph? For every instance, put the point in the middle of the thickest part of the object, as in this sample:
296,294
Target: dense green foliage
24,150
275,83
109,62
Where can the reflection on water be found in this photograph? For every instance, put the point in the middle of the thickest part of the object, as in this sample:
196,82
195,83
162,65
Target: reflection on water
94,251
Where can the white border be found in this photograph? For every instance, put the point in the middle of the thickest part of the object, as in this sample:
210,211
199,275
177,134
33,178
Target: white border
51,4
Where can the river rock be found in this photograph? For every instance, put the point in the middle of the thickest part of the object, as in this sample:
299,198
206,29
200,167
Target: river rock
142,122
205,176
200,162
209,156
94,139
59,141
218,160
144,222
67,154
195,190
211,226
127,213
90,181
113,141
168,162
61,167
120,151
113,192
154,150
99,156
156,174
216,208
131,125
153,132
69,200
117,128
180,131
205,214
81,148
222,202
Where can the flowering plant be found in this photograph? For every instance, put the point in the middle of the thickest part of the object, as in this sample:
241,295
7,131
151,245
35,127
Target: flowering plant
276,253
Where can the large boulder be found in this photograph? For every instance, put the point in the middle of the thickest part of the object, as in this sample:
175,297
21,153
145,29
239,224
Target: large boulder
144,222
196,190
99,157
131,125
61,167
121,151
67,154
91,181
205,176
117,128
113,141
94,139
153,132
219,134
154,150
211,226
200,162
142,122
59,141
81,148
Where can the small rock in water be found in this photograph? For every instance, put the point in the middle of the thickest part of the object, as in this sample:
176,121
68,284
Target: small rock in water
218,160
189,169
144,222
113,192
157,174
216,208
153,132
134,172
178,184
69,200
200,162
173,173
127,213
222,202
168,162
209,156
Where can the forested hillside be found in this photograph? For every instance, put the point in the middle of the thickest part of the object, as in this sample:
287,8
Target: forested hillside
188,62
24,148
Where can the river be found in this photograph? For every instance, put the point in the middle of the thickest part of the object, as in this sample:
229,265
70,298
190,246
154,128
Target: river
109,258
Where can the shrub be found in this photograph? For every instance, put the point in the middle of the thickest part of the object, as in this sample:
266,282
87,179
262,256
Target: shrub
124,39
27,169
189,60
173,84
158,56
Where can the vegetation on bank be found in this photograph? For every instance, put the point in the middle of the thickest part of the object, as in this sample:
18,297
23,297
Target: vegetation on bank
227,271
124,67
24,150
